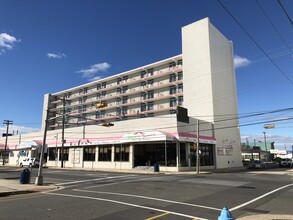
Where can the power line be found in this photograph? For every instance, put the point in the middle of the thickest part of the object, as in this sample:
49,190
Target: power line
273,25
285,12
278,68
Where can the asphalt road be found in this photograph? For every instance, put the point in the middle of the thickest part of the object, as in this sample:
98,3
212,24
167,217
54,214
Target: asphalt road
102,195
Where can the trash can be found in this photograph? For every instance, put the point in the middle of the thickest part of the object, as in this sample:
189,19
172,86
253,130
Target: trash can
156,167
25,176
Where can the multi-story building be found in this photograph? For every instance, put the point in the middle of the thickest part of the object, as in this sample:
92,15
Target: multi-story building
143,106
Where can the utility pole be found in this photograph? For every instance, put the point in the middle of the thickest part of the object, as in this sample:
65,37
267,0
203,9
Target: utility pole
7,123
197,149
264,133
63,127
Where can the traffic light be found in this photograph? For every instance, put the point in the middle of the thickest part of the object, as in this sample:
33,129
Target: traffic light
108,124
101,105
5,135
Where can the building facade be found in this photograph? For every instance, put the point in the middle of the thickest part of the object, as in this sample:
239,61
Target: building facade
155,111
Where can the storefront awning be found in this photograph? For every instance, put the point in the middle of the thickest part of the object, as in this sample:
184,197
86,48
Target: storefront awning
30,145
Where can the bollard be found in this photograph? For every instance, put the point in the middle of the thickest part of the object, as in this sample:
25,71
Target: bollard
225,215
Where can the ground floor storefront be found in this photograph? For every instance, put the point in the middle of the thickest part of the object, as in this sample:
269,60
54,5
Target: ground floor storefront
140,149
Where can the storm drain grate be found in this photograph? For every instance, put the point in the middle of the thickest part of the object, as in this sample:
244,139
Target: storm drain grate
246,187
256,210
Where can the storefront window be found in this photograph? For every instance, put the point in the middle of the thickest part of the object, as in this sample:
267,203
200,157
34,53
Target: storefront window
52,153
65,154
121,152
105,153
89,153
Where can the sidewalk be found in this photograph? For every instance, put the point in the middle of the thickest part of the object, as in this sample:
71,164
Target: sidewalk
13,187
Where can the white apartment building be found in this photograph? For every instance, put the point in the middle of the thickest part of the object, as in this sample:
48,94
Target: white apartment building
143,106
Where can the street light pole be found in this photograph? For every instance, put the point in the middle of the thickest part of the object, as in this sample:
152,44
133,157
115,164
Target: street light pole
39,178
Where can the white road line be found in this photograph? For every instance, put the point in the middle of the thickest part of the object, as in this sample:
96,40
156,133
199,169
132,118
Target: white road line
150,198
128,181
127,204
260,197
90,180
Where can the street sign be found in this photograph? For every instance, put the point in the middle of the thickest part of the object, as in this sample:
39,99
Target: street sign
269,126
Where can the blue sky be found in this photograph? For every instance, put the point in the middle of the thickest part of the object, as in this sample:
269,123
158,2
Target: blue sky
49,46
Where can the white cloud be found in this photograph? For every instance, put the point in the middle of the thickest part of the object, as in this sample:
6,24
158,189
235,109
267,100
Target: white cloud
19,129
6,42
91,72
56,55
241,61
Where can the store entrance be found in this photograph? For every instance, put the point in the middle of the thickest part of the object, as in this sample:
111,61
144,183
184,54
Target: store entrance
149,154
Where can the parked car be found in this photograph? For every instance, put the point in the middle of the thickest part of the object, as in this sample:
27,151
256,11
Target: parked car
257,164
285,162
30,162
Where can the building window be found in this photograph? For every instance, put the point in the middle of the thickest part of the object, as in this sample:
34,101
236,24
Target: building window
180,76
172,90
103,114
84,99
121,152
180,88
119,91
150,72
119,81
103,95
179,62
125,78
150,106
98,114
150,94
143,84
85,90
104,85
172,77
80,100
98,86
172,102
67,102
124,99
118,101
142,74
65,154
118,111
150,83
180,100
80,91
89,153
83,117
172,65
142,107
124,89
105,153
124,110
52,153
79,108
98,95
143,96
67,95
84,107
